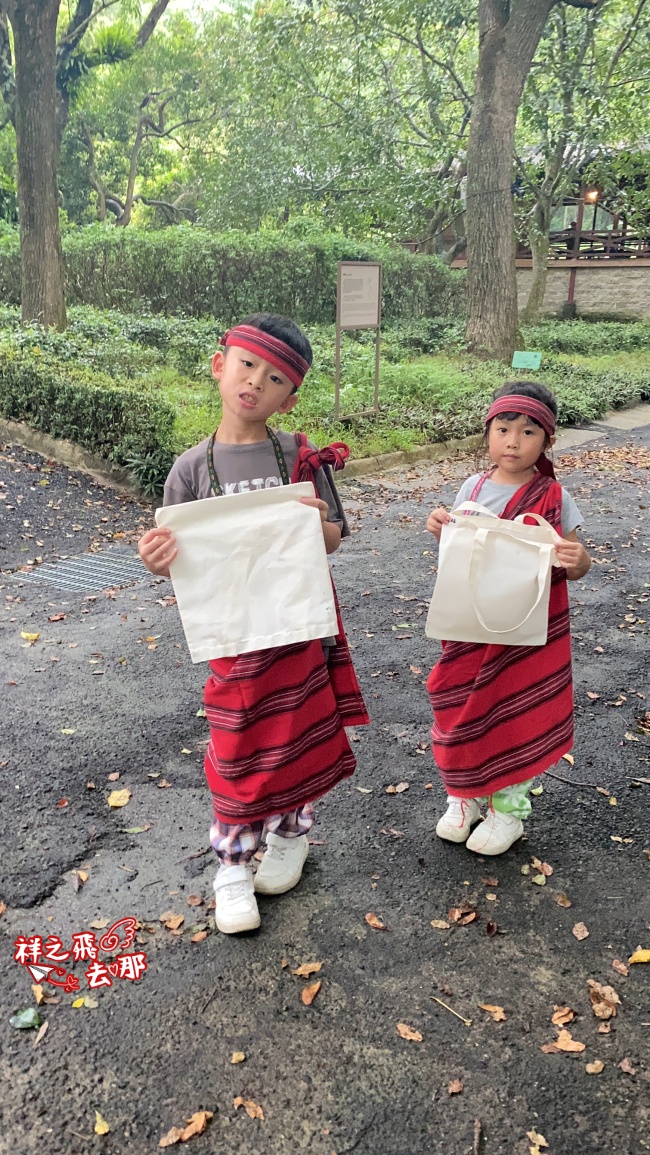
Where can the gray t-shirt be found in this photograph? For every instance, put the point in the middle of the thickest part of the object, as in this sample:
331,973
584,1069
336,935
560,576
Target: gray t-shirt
243,469
495,497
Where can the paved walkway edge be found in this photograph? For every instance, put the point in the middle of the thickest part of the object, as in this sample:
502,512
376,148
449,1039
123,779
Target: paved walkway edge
67,453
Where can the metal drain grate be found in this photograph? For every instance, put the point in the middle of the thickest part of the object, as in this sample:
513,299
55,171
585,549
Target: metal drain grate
97,571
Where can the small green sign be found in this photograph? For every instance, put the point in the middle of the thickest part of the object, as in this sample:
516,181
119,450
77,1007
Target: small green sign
521,360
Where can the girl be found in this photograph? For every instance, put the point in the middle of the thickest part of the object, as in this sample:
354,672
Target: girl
503,714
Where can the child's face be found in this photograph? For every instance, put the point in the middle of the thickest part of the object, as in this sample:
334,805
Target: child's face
515,445
251,389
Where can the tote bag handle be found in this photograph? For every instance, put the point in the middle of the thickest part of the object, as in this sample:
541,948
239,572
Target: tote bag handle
475,561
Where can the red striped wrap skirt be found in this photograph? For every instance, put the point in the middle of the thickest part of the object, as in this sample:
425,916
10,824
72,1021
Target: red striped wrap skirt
277,718
503,714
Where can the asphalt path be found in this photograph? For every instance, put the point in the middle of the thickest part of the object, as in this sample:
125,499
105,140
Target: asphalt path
105,698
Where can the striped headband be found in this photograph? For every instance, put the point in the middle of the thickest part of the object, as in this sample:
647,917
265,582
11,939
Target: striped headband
270,349
516,403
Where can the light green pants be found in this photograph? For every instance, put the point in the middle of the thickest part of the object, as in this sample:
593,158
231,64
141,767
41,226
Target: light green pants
513,800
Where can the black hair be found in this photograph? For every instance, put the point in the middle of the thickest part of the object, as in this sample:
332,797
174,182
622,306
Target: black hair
533,389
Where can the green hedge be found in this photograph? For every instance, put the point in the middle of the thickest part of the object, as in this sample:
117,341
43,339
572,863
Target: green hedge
190,271
122,424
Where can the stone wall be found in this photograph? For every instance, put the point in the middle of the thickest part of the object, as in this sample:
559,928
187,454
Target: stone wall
608,287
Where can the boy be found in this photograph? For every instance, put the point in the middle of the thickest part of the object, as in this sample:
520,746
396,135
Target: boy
276,716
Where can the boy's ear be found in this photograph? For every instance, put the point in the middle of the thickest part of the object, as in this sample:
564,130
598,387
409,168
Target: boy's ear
288,405
217,363
552,439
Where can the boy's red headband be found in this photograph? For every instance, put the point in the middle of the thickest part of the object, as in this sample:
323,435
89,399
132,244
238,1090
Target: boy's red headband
515,403
270,349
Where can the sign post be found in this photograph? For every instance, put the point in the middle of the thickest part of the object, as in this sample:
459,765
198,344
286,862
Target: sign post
524,360
358,306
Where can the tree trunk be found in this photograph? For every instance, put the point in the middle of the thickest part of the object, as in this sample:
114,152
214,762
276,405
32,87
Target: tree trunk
509,33
34,27
539,244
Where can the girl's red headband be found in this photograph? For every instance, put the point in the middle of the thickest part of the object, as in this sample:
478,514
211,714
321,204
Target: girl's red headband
516,403
270,349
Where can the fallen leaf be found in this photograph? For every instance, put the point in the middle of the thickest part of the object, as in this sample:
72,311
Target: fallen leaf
498,1014
199,936
57,618
604,1028
196,1125
536,1138
491,929
562,1015
639,956
41,1035
490,881
375,922
173,1136
252,1109
619,966
134,829
101,1126
455,1087
237,1057
63,802
439,924
364,789
90,1003
3,907
119,798
406,1032
114,776
612,801
26,1019
462,914
399,789
569,758
537,790
580,931
38,993
309,993
562,900
604,999
164,785
626,1067
564,1042
595,1068
100,923
68,731
632,737
539,879
594,697
306,969
415,669
525,868
194,900
172,920
31,638
78,1003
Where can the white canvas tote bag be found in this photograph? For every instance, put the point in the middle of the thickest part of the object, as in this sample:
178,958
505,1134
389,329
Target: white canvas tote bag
494,579
251,571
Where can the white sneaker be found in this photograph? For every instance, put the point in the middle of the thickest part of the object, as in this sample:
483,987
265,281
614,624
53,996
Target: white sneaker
281,866
496,834
458,820
236,905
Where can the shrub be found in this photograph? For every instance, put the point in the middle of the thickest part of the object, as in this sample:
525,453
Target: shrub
89,408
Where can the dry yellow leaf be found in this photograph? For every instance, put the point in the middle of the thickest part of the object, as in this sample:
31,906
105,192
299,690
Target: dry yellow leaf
172,920
580,931
619,966
100,923
119,797
562,900
196,1125
194,900
497,1013
562,1015
639,956
455,1087
38,993
237,1057
78,1003
375,922
564,1042
173,1136
199,936
253,1110
309,993
537,1139
407,1032
31,638
595,1068
307,969
539,879
439,924
101,1126
569,758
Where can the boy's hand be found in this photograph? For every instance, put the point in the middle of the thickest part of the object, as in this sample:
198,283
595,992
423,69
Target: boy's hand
317,503
157,548
435,521
574,557
331,532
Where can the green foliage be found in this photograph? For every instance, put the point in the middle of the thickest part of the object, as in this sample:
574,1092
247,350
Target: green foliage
590,338
184,270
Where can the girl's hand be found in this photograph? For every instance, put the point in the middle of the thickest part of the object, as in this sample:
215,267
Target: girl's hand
435,521
572,554
157,548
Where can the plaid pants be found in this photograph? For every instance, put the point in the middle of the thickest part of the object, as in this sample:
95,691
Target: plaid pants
236,843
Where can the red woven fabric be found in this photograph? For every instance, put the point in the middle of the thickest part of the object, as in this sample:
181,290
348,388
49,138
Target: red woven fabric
277,736
503,714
